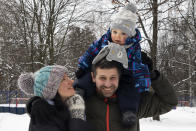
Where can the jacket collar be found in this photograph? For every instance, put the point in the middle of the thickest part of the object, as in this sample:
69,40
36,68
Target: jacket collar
111,99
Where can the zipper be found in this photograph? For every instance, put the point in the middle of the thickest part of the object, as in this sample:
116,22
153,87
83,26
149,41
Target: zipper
108,112
107,115
107,118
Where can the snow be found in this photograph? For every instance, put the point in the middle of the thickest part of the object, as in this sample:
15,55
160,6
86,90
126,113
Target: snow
12,105
180,119
13,122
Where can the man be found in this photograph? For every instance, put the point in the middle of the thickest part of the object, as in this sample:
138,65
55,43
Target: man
102,110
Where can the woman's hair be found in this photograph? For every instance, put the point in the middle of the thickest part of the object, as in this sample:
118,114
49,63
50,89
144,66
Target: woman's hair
62,109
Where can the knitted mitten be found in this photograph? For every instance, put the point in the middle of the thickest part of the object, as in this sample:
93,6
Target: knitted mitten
76,107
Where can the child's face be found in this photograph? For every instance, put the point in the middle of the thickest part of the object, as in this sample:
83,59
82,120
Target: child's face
118,36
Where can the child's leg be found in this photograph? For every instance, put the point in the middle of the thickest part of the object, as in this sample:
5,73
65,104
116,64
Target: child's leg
85,84
128,98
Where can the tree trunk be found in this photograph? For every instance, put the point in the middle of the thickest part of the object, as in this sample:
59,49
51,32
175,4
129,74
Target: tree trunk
155,39
155,32
156,118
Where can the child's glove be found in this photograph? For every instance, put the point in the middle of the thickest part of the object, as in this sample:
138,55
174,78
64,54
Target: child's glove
79,73
154,75
147,60
129,119
76,107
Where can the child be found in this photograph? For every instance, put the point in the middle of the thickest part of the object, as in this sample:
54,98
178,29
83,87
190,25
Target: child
122,33
55,106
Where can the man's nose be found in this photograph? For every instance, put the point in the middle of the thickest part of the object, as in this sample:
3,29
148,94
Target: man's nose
108,83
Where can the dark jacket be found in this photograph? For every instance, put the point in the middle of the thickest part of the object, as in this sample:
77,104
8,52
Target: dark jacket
105,115
48,117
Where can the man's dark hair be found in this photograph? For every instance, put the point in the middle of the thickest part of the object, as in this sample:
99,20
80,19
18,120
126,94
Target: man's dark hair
105,64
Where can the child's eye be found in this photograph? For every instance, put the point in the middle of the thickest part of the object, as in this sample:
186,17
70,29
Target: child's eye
123,33
114,32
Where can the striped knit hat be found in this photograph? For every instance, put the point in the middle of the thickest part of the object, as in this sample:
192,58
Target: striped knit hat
44,83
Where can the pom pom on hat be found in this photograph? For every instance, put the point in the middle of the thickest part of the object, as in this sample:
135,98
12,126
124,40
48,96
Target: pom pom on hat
26,82
125,19
131,7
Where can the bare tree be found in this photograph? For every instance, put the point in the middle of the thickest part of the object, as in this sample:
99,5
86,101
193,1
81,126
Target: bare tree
33,34
46,25
183,47
9,40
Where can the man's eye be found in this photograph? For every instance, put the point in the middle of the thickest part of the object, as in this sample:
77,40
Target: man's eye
102,78
113,78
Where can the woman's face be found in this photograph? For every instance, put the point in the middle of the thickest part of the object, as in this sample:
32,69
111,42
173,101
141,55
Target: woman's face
66,89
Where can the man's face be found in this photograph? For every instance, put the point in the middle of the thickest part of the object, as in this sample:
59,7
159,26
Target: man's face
106,81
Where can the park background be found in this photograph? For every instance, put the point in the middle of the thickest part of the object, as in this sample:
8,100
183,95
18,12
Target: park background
36,33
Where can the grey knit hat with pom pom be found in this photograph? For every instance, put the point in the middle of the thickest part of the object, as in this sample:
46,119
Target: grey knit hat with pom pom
125,19
44,83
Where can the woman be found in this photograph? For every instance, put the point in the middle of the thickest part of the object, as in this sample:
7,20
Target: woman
54,106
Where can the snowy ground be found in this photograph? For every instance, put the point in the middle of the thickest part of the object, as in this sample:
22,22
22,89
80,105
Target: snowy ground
180,119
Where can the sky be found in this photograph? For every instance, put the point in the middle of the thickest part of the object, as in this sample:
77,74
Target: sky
179,119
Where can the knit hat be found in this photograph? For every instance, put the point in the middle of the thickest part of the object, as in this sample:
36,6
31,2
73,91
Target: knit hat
44,82
125,20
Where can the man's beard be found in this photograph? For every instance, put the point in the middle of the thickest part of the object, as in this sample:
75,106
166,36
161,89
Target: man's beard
101,92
